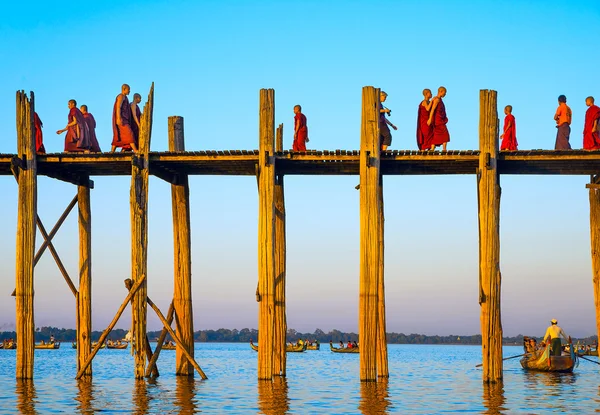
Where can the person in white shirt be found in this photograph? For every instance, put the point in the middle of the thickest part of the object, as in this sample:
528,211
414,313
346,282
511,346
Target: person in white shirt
553,333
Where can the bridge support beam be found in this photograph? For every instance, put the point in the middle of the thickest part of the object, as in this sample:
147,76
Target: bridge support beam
595,242
84,294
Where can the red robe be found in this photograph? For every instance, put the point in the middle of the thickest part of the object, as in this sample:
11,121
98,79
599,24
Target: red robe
424,131
91,123
39,139
134,126
122,134
591,141
302,135
440,131
509,140
77,138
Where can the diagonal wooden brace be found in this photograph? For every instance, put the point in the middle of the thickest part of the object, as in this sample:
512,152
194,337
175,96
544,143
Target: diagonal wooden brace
55,229
160,341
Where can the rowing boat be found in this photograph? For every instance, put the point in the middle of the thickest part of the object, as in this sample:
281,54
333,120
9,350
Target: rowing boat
314,346
343,350
169,347
47,346
541,361
299,348
9,345
117,346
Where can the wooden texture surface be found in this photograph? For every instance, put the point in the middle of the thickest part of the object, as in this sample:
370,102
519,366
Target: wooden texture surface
369,233
160,341
182,288
84,295
489,238
595,247
382,354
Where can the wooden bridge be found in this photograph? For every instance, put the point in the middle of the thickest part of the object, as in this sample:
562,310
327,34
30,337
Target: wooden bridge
270,164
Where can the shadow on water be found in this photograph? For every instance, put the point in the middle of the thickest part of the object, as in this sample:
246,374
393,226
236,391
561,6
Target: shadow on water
185,395
273,396
374,397
27,397
85,396
493,398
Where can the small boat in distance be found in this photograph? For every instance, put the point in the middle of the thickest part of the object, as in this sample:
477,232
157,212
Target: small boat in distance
9,345
297,348
117,345
47,346
539,360
343,350
169,346
314,346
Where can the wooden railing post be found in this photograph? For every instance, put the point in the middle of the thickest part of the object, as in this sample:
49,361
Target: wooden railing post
382,355
266,234
26,230
182,297
139,236
279,368
84,294
488,187
369,233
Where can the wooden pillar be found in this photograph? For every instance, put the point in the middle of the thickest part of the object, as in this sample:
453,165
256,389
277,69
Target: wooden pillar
595,243
279,341
84,295
182,297
139,236
382,355
26,230
369,233
488,187
266,234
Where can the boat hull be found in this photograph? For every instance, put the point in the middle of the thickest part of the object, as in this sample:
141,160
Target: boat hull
288,348
50,346
345,350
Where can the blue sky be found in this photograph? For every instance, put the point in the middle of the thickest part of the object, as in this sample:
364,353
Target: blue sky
208,61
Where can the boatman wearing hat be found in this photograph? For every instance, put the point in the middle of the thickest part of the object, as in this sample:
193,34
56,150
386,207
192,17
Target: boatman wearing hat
554,332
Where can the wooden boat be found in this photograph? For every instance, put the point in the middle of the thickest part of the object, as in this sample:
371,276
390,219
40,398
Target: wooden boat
169,347
48,346
117,346
343,350
541,361
298,348
314,346
74,345
9,345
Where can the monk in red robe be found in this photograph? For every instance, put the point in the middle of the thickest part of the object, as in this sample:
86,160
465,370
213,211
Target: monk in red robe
91,123
136,115
122,133
591,128
39,138
300,130
424,130
438,119
77,138
509,136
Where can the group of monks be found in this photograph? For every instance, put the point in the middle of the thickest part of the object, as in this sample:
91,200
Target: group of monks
431,121
81,126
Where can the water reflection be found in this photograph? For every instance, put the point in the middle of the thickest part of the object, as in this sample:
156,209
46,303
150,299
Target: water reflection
26,396
141,401
273,396
493,398
85,396
185,395
374,397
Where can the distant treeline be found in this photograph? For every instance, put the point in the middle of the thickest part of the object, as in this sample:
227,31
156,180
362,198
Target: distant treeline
245,335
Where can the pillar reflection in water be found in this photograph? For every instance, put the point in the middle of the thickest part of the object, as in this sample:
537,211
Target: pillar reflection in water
26,394
273,396
85,396
493,398
185,395
374,397
140,397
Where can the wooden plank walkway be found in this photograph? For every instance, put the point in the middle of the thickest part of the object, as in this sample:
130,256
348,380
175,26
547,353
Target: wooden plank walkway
326,162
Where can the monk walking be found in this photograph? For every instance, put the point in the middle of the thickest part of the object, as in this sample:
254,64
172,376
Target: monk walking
300,130
563,123
424,130
136,115
591,129
509,136
122,133
91,124
77,138
385,135
438,119
39,138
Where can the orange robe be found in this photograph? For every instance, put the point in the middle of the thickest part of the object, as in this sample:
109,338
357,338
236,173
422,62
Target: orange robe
122,134
509,140
591,140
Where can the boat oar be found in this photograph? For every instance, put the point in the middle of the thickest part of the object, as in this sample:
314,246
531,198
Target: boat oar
507,358
589,360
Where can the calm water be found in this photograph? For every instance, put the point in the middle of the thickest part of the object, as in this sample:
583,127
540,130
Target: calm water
424,380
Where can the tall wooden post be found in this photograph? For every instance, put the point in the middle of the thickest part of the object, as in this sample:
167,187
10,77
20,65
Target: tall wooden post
594,187
26,175
369,233
488,187
279,341
266,234
382,355
139,236
182,298
84,295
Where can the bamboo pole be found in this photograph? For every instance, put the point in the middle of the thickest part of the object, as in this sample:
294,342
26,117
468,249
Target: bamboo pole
369,233
382,355
136,286
595,246
160,341
279,340
489,238
25,249
266,234
139,237
84,295
182,298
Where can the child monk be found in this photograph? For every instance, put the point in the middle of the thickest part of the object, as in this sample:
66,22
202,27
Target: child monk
77,138
438,119
122,133
563,124
39,138
136,115
591,129
91,124
300,130
509,136
424,130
